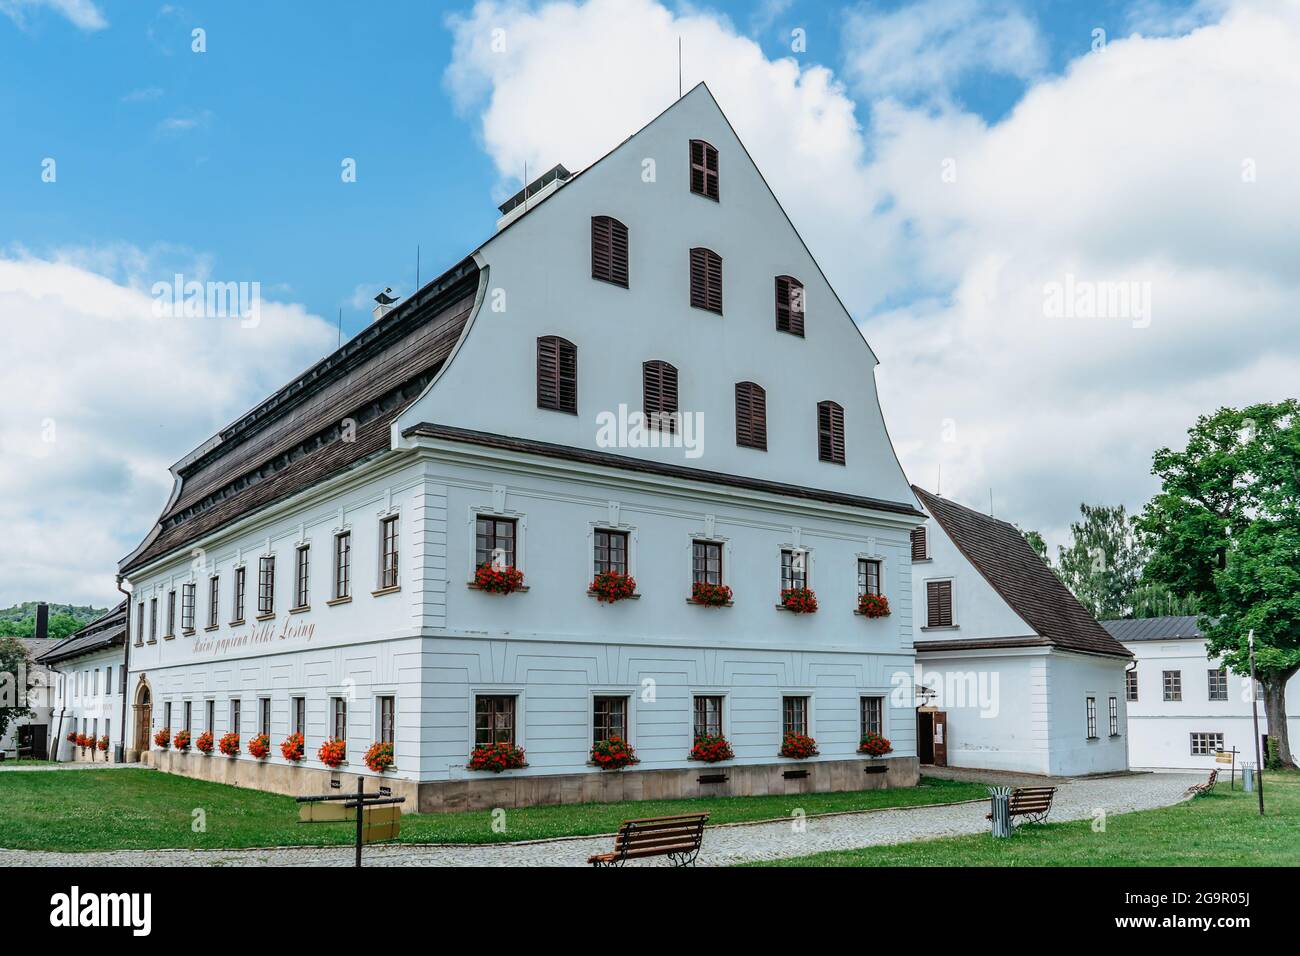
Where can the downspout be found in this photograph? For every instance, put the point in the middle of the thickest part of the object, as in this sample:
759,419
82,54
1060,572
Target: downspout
1130,668
126,664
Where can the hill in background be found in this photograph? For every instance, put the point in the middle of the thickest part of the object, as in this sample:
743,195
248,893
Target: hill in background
20,620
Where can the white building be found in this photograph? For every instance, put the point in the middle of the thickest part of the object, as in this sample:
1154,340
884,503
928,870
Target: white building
1183,705
89,678
314,569
1020,676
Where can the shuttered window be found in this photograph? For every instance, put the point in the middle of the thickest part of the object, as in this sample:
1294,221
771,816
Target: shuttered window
938,601
659,381
706,280
918,544
704,169
557,374
789,305
609,250
830,432
751,416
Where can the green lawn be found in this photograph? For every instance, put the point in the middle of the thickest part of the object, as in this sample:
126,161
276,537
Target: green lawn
25,762
1222,828
146,809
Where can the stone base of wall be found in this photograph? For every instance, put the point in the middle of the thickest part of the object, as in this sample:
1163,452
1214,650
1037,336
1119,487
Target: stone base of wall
511,789
80,756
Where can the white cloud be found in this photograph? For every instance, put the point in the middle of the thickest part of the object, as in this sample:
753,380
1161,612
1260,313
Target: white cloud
81,13
921,50
1132,165
100,397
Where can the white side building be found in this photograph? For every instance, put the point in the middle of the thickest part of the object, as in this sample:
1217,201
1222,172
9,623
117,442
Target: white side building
1183,705
88,671
1018,676
314,569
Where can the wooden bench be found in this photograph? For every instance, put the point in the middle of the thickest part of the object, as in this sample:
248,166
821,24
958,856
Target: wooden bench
1032,803
677,838
1196,789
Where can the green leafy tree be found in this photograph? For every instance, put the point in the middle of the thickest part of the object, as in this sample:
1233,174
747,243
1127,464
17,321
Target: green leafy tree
1225,530
1153,599
14,667
1103,563
1038,544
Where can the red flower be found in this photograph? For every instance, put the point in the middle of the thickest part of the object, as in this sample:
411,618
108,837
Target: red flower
798,746
204,742
498,580
799,600
713,595
496,757
292,747
380,757
229,744
613,754
182,740
873,605
710,748
260,747
103,743
613,586
163,739
874,745
332,752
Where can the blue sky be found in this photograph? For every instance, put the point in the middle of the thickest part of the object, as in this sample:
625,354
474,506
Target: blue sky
1156,159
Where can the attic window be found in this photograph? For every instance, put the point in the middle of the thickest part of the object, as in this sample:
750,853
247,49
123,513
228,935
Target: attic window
918,544
789,305
660,383
751,416
830,432
706,280
557,374
609,250
704,169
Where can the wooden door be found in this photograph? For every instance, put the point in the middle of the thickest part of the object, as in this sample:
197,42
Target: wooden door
143,726
940,724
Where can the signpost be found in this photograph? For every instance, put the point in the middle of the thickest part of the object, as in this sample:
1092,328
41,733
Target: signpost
1254,707
1228,756
378,816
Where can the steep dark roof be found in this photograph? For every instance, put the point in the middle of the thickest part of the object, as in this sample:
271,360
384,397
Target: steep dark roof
104,632
36,646
1153,629
1002,555
610,460
297,437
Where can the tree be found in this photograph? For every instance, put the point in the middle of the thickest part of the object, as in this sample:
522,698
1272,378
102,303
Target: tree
1153,599
14,666
1103,563
1225,530
1038,544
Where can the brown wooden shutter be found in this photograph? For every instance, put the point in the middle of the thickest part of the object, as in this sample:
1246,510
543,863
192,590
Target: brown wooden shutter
789,305
938,601
918,544
751,415
609,250
704,169
659,380
830,432
557,374
706,280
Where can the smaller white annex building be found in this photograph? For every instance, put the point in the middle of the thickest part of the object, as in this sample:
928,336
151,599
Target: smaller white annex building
1183,705
87,680
1014,673
28,736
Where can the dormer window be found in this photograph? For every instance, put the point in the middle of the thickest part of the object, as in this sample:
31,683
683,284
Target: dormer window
609,250
704,169
557,374
789,305
751,416
706,280
830,433
659,380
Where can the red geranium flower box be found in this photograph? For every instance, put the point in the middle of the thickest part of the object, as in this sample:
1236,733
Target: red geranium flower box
498,580
497,757
182,740
874,745
332,752
798,746
260,747
799,600
72,737
711,595
163,739
613,586
103,743
204,743
873,605
291,748
710,748
380,756
229,744
613,754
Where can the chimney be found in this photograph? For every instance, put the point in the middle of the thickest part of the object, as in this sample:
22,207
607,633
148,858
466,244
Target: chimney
385,302
42,621
532,194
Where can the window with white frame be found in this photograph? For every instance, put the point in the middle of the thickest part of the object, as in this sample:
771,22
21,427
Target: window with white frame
236,715
1131,684
210,718
386,708
610,551
608,717
1206,744
266,585
1173,683
873,715
189,713
494,719
214,601
264,716
708,715
869,576
1217,683
794,568
494,542
342,565
302,577
171,614
1092,718
388,567
153,619
298,724
237,605
339,718
187,607
706,562
794,715
1114,716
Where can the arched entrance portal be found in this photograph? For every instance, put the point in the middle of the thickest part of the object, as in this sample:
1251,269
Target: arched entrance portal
143,717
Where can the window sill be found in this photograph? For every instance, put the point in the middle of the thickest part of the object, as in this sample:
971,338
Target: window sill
213,627
474,587
1115,736
923,560
380,592
942,627
1093,739
630,597
335,602
300,610
238,623
265,617
782,607
703,604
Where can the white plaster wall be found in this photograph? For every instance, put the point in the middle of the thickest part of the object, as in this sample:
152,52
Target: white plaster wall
97,701
1074,678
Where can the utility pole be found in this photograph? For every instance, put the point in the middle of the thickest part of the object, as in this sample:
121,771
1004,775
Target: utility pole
1254,707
